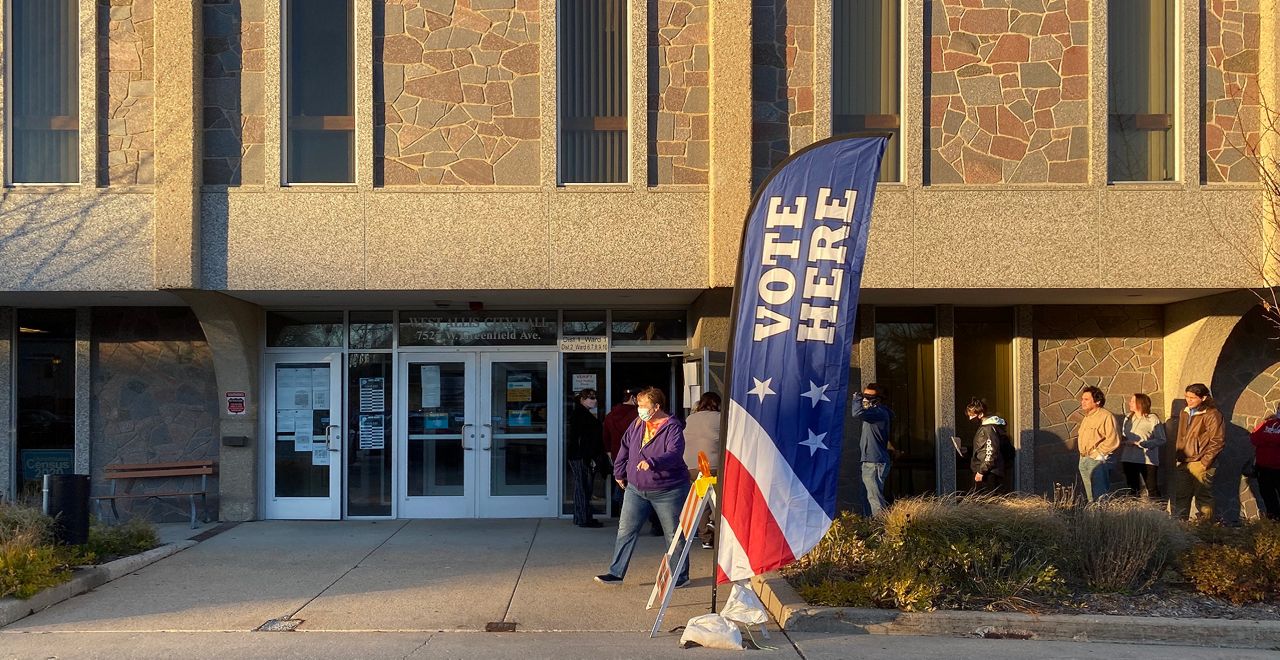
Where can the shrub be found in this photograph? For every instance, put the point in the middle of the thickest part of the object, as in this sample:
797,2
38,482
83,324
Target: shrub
1123,544
110,541
1240,565
28,565
18,520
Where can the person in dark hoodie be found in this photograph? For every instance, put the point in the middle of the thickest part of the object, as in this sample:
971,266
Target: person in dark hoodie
877,430
581,447
986,460
650,467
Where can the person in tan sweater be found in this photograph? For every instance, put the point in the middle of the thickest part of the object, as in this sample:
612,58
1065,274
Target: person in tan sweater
1201,437
1096,439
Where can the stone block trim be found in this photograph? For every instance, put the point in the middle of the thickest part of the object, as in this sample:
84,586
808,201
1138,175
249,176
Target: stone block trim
456,92
782,86
234,65
155,399
1009,99
679,91
126,88
1117,348
1232,110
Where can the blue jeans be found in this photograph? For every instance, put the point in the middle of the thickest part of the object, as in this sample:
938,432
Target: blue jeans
636,505
1096,476
873,476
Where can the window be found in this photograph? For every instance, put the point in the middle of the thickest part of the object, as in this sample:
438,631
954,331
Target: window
593,91
983,368
1140,129
866,71
319,98
905,367
45,395
44,91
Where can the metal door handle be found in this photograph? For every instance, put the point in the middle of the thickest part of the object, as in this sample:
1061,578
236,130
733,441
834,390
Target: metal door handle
330,438
489,445
464,437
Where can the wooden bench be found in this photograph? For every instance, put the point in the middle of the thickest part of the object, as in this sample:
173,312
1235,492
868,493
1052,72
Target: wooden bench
122,472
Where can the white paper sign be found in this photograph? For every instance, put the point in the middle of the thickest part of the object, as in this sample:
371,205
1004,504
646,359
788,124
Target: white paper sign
320,454
284,421
583,382
320,389
302,431
430,386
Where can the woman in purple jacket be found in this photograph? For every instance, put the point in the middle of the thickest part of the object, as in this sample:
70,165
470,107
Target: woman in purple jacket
650,469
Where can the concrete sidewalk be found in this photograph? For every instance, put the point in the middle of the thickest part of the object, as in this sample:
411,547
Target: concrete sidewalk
400,575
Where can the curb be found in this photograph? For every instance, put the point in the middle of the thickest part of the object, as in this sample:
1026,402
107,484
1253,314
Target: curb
793,614
13,609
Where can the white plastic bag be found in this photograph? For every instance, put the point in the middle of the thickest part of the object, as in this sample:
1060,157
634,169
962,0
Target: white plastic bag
744,606
712,631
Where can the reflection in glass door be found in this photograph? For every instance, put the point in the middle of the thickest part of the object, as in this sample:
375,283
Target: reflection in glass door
438,439
303,404
517,455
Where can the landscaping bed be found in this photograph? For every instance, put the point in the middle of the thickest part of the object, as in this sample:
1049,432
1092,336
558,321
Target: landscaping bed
1121,556
31,560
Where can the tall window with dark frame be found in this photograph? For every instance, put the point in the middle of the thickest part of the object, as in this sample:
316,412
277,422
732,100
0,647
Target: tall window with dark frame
44,91
319,98
866,73
1140,57
592,44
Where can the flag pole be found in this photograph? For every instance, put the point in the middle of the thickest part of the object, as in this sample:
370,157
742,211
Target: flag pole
728,356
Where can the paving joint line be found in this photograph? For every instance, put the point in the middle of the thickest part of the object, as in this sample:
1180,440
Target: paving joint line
419,647
348,571
520,576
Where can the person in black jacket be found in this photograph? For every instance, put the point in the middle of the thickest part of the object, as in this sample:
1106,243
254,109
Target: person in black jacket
583,445
986,460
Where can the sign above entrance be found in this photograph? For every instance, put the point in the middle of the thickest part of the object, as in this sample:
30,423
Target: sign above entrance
498,328
584,344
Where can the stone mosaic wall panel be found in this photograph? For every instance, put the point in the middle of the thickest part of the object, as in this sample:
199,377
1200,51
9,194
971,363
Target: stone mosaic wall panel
1246,385
1117,348
1009,91
234,64
456,92
782,81
126,87
154,399
1232,109
679,91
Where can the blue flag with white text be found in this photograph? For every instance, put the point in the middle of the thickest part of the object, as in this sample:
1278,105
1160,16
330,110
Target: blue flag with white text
797,293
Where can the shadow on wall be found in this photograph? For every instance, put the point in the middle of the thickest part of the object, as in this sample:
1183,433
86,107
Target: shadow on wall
154,399
1119,348
1246,386
48,241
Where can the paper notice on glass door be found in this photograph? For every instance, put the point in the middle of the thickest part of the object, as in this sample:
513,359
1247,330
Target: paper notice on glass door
284,421
371,433
519,387
430,386
302,430
293,388
372,395
320,388
320,454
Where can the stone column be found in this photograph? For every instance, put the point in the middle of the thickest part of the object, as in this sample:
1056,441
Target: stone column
83,389
7,437
88,70
1022,429
944,382
233,329
179,111
730,137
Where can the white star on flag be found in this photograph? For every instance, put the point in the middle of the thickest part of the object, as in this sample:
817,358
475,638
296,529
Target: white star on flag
762,388
814,443
816,393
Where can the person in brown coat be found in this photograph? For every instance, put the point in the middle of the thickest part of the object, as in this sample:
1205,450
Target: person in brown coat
1201,436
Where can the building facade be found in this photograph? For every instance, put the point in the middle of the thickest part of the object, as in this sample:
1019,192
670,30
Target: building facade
362,253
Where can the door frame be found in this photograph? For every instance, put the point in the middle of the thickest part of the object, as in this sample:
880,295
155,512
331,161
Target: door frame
477,504
304,508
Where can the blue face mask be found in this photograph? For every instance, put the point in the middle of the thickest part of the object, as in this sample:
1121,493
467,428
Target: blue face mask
646,414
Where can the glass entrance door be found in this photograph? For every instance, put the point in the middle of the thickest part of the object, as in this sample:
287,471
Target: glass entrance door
475,433
303,454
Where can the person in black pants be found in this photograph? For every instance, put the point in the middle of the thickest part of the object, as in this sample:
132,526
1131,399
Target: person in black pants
1266,445
1141,437
583,445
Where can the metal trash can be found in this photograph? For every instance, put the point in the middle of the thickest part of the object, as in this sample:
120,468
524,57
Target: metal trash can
66,500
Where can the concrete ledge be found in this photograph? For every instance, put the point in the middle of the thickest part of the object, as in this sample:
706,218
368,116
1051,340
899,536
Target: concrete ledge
793,613
13,609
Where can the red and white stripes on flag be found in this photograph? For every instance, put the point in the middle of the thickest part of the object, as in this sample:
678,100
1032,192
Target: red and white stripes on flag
768,517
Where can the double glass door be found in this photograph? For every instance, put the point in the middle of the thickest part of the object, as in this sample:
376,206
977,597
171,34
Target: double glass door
475,434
